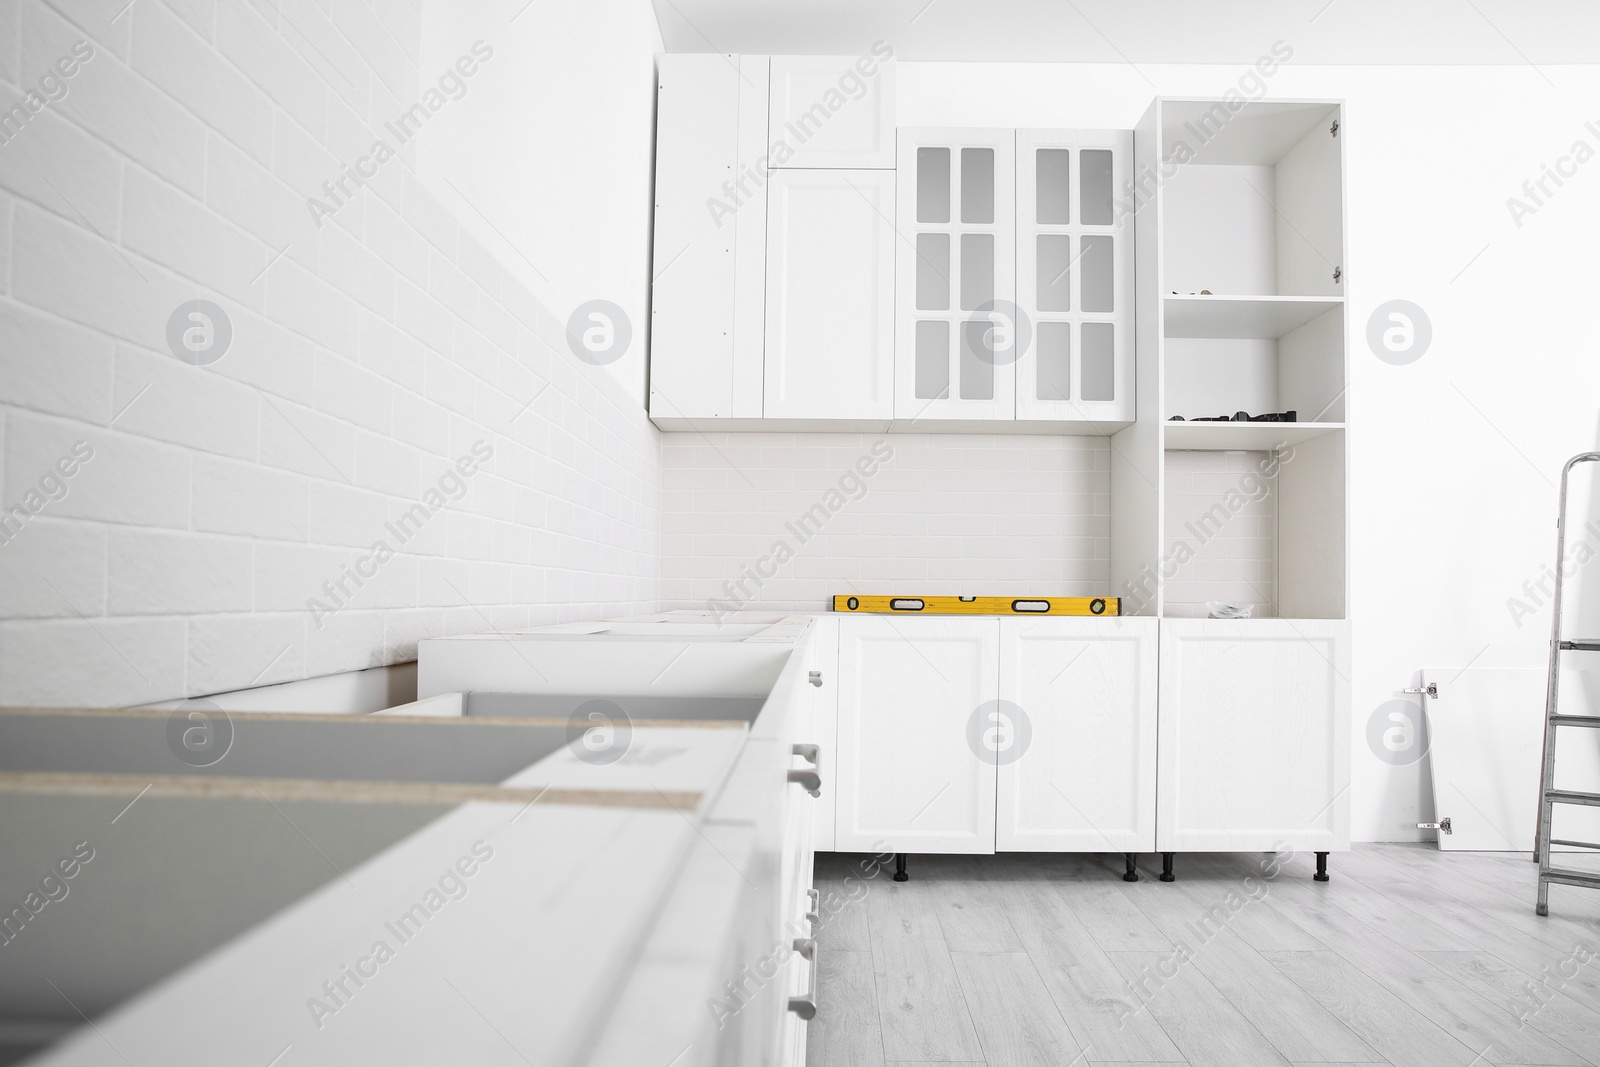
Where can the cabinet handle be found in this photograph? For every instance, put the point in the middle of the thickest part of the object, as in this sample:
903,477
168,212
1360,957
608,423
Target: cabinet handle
811,780
806,1006
814,916
816,679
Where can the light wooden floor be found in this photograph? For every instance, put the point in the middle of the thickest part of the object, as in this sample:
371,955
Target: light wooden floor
1408,956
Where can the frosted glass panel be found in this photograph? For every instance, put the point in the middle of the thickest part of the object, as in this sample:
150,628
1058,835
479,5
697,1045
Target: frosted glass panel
1055,272
977,270
1053,180
1099,361
1094,184
933,361
1052,345
933,272
977,185
1097,271
933,185
977,361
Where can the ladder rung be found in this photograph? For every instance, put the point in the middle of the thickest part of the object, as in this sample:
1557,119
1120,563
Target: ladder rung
1576,844
1591,879
1580,646
1592,721
1572,796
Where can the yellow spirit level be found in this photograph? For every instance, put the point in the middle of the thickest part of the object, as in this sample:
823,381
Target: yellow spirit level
979,605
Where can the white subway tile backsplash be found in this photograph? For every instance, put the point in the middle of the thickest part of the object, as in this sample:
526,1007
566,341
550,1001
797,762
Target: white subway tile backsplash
183,63
957,514
123,479
263,649
92,662
249,500
51,366
1221,518
115,104
52,568
222,512
168,572
157,396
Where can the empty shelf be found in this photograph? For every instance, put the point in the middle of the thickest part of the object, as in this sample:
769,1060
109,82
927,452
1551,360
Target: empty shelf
1267,317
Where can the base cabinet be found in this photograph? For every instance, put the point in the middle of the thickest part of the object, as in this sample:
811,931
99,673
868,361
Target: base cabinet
911,779
1254,735
1078,770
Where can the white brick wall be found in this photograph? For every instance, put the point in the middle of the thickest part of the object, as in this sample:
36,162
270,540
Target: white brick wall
951,514
1221,507
366,357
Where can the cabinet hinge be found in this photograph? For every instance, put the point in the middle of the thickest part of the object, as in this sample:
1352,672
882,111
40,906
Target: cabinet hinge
1430,690
1338,273
1443,825
1333,131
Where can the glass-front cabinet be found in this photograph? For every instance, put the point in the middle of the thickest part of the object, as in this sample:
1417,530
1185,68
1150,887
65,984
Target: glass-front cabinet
956,283
1014,288
1075,280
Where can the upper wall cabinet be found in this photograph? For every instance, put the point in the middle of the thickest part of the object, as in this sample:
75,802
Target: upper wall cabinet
830,295
707,300
956,345
1075,281
833,112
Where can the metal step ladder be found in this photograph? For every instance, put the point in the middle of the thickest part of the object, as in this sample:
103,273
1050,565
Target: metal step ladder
1549,796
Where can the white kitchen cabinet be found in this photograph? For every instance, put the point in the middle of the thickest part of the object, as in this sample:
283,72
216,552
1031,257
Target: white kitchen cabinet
955,286
822,651
1080,772
833,111
707,294
911,693
830,295
1075,275
1254,735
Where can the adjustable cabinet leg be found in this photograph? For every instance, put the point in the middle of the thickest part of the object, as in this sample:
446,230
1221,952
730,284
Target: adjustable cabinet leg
1166,868
900,874
1132,873
1322,867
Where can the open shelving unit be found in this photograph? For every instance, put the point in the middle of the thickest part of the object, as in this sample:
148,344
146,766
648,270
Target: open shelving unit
1251,211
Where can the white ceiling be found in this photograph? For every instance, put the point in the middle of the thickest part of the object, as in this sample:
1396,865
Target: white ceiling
1146,31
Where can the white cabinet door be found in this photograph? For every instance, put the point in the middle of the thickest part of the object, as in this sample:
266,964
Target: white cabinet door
912,778
830,295
833,111
1254,735
1077,771
1075,275
955,291
707,301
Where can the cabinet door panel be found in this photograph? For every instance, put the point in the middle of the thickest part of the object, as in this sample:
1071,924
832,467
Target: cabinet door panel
833,112
1082,777
830,295
705,327
956,333
1254,735
910,780
1075,275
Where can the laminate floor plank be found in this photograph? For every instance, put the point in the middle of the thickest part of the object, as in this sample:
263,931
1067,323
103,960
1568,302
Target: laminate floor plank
1476,1021
1408,956
847,1031
1099,1006
1401,1034
1017,1022
1208,1030
1285,1014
